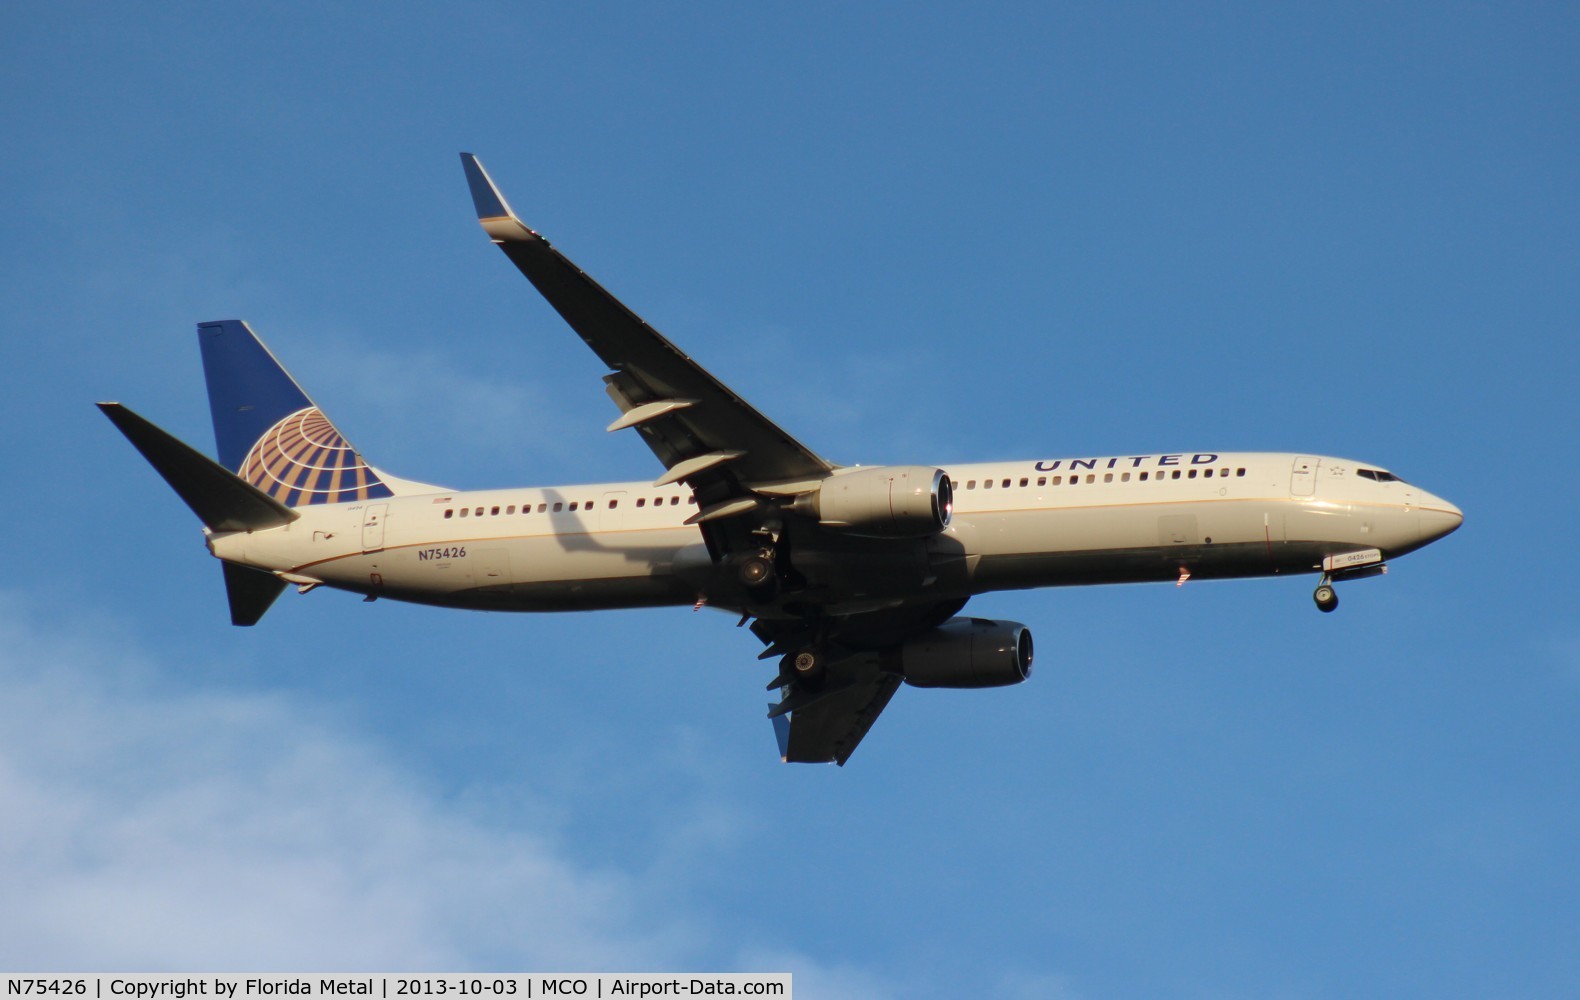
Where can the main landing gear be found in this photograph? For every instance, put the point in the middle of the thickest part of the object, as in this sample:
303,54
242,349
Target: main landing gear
1326,597
808,666
764,570
756,570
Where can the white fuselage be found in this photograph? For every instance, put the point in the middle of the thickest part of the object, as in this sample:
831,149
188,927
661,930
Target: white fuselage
1015,525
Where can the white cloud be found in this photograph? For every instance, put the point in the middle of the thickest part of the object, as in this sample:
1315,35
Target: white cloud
149,828
425,398
149,824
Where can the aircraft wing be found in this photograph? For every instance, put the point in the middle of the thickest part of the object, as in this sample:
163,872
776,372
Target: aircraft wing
733,458
704,433
829,728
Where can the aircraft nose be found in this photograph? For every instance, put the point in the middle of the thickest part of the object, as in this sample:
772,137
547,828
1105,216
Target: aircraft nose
1438,517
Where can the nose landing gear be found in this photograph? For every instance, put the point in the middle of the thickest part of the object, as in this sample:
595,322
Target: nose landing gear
1326,597
1346,566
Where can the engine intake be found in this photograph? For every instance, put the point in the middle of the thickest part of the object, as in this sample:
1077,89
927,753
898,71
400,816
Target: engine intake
965,653
893,501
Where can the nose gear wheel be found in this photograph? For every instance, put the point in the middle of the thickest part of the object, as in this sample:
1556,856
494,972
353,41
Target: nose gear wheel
1326,597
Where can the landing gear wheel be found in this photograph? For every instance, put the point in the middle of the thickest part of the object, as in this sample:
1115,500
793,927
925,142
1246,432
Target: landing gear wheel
808,667
756,570
758,575
1326,598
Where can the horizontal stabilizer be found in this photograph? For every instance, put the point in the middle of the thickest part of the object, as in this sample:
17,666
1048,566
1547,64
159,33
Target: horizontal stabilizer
221,500
251,592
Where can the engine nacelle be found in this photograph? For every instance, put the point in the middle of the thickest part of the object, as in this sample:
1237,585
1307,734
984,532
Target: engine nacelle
893,501
965,653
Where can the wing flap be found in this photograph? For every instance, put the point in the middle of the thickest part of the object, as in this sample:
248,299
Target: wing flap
829,730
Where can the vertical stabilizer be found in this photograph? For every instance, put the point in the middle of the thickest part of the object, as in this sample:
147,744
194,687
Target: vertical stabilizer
269,432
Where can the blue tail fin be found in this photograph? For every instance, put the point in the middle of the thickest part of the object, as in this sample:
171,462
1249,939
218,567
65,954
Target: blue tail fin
269,433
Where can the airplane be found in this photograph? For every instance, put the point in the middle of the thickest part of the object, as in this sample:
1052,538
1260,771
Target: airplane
853,578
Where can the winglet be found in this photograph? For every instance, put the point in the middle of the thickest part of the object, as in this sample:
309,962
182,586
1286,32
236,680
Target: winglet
490,203
493,212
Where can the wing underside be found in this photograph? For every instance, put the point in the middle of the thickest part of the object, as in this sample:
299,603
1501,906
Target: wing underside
740,465
828,729
693,422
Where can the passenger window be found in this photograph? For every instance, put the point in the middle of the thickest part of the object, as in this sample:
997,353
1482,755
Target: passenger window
1042,480
1143,477
465,511
494,512
1024,481
1124,477
478,512
573,504
1108,477
558,507
1207,474
1176,474
674,501
511,509
971,484
543,507
692,501
641,501
1239,472
1191,474
449,514
613,504
987,484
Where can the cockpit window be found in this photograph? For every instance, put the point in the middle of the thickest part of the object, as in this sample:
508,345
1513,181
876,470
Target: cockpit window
1378,475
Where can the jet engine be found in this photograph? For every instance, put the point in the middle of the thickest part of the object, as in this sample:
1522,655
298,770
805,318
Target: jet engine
964,653
893,501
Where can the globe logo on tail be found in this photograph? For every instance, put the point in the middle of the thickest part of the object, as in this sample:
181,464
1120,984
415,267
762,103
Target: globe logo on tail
304,460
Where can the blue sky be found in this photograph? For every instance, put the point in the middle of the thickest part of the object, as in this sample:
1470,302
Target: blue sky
921,234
